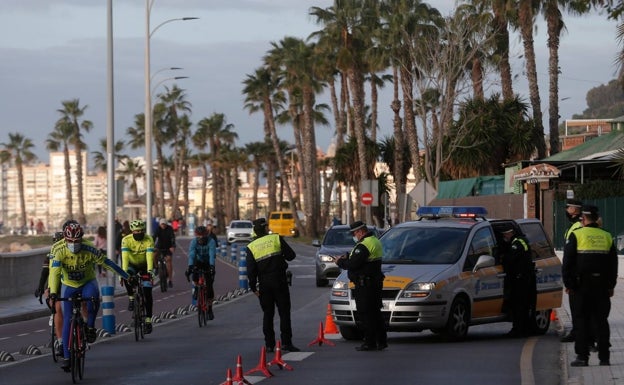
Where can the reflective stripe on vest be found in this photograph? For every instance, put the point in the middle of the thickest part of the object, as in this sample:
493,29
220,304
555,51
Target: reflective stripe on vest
522,242
265,247
373,245
592,240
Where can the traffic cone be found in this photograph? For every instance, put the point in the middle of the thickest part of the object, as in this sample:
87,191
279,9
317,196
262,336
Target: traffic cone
228,378
262,365
239,372
320,339
277,360
553,315
330,326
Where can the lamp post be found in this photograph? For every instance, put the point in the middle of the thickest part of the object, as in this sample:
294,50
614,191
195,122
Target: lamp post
149,199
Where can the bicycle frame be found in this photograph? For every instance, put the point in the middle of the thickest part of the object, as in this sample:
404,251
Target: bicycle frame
163,274
77,343
202,297
139,312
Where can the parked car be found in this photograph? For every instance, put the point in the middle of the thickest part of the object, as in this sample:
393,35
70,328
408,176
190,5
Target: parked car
239,230
443,273
338,240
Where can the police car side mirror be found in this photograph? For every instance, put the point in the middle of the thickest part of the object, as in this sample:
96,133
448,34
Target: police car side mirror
316,243
483,262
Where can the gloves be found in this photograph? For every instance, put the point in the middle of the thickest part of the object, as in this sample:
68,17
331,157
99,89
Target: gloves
212,271
187,273
153,273
39,294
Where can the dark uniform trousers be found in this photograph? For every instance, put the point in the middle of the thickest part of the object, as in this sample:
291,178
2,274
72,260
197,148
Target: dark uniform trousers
593,304
368,301
274,292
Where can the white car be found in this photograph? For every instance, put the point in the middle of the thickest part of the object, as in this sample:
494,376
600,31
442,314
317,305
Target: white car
239,230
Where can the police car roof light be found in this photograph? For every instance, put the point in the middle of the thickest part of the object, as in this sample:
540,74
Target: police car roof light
451,211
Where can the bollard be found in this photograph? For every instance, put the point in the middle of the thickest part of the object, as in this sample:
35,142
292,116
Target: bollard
233,251
242,271
242,254
223,250
108,305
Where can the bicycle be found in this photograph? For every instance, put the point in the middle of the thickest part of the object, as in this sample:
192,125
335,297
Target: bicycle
77,343
202,298
139,313
162,269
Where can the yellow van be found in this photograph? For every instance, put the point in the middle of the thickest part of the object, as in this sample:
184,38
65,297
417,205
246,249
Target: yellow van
283,223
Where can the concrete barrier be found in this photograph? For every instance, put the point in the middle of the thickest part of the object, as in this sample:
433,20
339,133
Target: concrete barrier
20,272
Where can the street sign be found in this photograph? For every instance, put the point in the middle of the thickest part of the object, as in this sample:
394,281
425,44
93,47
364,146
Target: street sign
367,199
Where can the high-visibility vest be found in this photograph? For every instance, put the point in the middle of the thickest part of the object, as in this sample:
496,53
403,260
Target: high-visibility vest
373,245
592,240
265,247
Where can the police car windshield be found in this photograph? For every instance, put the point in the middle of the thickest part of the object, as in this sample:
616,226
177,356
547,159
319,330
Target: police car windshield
423,246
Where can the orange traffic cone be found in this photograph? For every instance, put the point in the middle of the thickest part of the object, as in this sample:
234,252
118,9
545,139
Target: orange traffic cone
553,315
239,372
228,378
320,339
277,360
262,365
330,326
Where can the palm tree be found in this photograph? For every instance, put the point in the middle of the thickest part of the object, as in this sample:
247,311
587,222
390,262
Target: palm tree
72,113
130,171
259,153
60,138
220,134
200,140
100,158
18,151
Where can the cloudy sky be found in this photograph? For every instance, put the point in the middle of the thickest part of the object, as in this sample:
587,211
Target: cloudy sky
52,51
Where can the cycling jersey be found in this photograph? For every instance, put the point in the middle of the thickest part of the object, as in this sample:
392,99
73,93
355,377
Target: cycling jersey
202,254
139,254
76,269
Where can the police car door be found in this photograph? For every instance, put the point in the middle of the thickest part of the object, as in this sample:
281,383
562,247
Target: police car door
486,284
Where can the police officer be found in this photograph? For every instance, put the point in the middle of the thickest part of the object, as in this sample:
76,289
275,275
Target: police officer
267,257
589,270
364,269
520,286
573,213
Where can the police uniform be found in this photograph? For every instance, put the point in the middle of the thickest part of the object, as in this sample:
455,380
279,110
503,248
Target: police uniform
589,270
267,257
364,270
520,286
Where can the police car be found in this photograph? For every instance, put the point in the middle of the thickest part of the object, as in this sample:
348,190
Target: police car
443,273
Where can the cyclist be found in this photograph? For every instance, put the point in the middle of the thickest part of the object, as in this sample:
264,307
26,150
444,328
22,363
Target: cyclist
202,254
41,290
71,270
165,243
137,256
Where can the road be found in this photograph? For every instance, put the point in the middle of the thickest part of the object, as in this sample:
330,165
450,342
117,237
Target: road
178,351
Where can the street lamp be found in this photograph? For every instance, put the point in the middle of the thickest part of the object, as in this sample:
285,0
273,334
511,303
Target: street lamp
167,79
149,199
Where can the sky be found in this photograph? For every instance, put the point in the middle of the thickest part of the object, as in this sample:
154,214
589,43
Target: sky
52,51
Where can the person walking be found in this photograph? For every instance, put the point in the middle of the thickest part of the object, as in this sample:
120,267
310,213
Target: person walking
363,264
165,242
589,269
202,255
519,283
573,213
267,257
100,243
137,257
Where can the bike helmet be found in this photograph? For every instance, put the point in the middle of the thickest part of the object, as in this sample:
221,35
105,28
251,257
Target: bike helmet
73,232
201,231
137,225
68,222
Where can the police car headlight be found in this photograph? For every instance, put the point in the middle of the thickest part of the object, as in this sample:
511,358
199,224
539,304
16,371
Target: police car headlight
340,289
418,289
325,258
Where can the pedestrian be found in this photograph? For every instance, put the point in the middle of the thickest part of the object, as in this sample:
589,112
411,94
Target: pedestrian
363,264
589,268
267,257
100,243
520,291
573,213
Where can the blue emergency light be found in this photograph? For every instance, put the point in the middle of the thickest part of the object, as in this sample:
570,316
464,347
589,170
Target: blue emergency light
451,211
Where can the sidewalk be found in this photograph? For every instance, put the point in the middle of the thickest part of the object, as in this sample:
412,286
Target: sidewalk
595,374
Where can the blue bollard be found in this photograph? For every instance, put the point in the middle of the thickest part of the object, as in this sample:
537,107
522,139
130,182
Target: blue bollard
108,306
243,283
223,250
233,251
242,254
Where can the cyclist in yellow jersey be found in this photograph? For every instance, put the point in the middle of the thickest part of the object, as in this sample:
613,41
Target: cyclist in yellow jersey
137,256
71,270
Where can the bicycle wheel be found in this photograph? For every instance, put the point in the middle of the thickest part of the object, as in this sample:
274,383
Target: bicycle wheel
162,275
137,316
74,351
205,290
201,306
82,348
